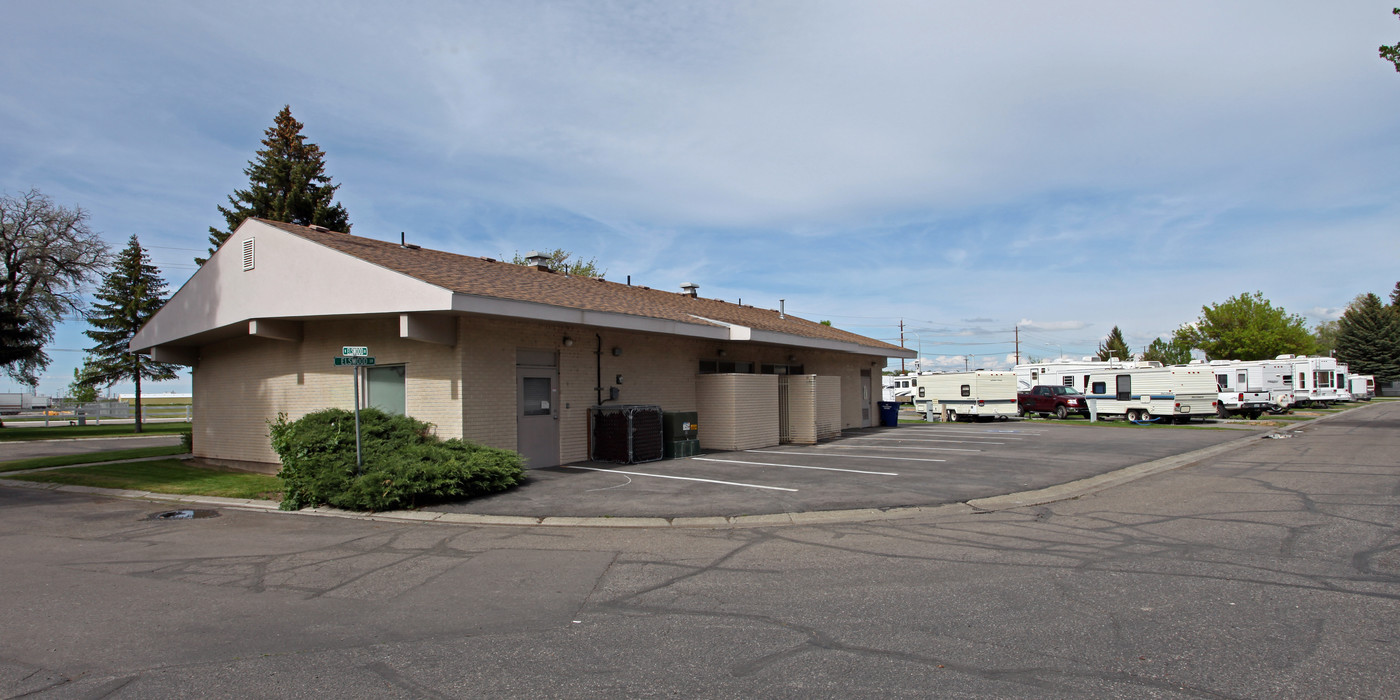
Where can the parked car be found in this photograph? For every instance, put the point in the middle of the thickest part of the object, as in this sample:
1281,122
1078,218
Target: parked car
1047,399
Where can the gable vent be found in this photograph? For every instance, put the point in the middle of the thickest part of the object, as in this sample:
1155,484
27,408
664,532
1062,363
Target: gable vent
247,254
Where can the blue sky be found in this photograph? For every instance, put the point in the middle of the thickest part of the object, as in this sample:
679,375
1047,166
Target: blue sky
966,167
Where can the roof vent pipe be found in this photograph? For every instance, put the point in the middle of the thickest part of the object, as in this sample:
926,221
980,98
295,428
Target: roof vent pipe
782,309
692,289
537,260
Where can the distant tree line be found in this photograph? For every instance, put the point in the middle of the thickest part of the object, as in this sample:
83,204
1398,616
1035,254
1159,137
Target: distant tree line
1249,327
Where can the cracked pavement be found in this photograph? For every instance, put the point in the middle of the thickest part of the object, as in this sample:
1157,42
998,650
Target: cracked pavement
1272,570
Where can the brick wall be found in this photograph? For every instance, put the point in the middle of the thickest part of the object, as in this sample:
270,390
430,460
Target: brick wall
242,383
469,390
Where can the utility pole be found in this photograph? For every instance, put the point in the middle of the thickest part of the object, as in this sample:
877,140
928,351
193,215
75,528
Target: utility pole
1018,344
965,365
901,344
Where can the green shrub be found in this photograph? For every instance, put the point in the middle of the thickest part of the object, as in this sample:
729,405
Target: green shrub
404,464
187,441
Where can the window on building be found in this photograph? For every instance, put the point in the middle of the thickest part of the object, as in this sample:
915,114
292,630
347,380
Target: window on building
384,388
1067,381
536,397
1222,381
781,369
966,390
921,392
721,367
1100,387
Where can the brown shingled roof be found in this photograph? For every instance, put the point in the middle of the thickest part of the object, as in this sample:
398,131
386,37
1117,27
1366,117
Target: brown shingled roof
466,274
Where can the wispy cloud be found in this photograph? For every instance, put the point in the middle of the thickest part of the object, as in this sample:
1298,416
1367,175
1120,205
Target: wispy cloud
867,163
1053,325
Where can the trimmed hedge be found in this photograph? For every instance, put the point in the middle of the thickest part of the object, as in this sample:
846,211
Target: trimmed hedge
405,466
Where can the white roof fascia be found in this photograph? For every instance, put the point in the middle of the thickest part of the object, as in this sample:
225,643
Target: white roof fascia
470,303
760,336
736,331
328,283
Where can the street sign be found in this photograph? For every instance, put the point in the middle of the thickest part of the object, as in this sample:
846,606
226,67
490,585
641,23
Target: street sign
353,361
354,351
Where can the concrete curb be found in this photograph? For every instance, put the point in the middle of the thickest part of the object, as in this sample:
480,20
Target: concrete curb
1060,492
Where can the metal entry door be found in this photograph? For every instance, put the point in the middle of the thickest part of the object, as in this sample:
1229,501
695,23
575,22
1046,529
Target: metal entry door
537,416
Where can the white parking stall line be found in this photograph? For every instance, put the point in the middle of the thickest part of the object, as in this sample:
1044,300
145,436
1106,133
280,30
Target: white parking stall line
904,439
948,433
682,478
994,432
792,466
891,447
813,454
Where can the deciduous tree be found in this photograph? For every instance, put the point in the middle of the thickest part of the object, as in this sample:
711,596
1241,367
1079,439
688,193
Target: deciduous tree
1392,53
1168,352
1247,327
1325,335
287,182
82,391
130,295
563,261
48,255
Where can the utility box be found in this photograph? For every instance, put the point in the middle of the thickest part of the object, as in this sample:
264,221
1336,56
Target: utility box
681,431
626,434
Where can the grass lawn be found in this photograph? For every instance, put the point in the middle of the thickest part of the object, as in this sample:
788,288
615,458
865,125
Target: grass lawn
165,476
10,433
65,460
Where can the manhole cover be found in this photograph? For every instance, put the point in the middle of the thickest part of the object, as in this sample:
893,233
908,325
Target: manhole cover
188,514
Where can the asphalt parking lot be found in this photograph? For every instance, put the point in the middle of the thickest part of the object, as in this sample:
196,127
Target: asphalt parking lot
909,465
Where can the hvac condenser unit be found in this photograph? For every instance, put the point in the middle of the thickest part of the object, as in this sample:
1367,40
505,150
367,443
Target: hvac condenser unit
626,434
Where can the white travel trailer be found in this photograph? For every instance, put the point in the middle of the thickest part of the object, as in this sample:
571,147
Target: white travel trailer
1275,377
957,395
1241,387
1362,386
1342,382
1313,379
1066,372
1144,393
899,388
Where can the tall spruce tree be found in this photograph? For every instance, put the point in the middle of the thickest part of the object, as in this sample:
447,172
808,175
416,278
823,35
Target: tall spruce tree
1368,338
1115,346
131,294
286,182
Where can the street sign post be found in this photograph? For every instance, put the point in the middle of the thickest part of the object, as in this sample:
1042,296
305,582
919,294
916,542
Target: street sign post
355,356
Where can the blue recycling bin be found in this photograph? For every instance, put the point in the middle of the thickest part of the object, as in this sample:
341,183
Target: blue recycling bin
889,413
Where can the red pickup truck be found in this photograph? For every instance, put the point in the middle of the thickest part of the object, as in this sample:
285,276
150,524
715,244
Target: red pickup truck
1059,400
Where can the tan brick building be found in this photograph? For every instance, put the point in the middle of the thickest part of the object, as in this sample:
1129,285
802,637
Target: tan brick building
507,355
